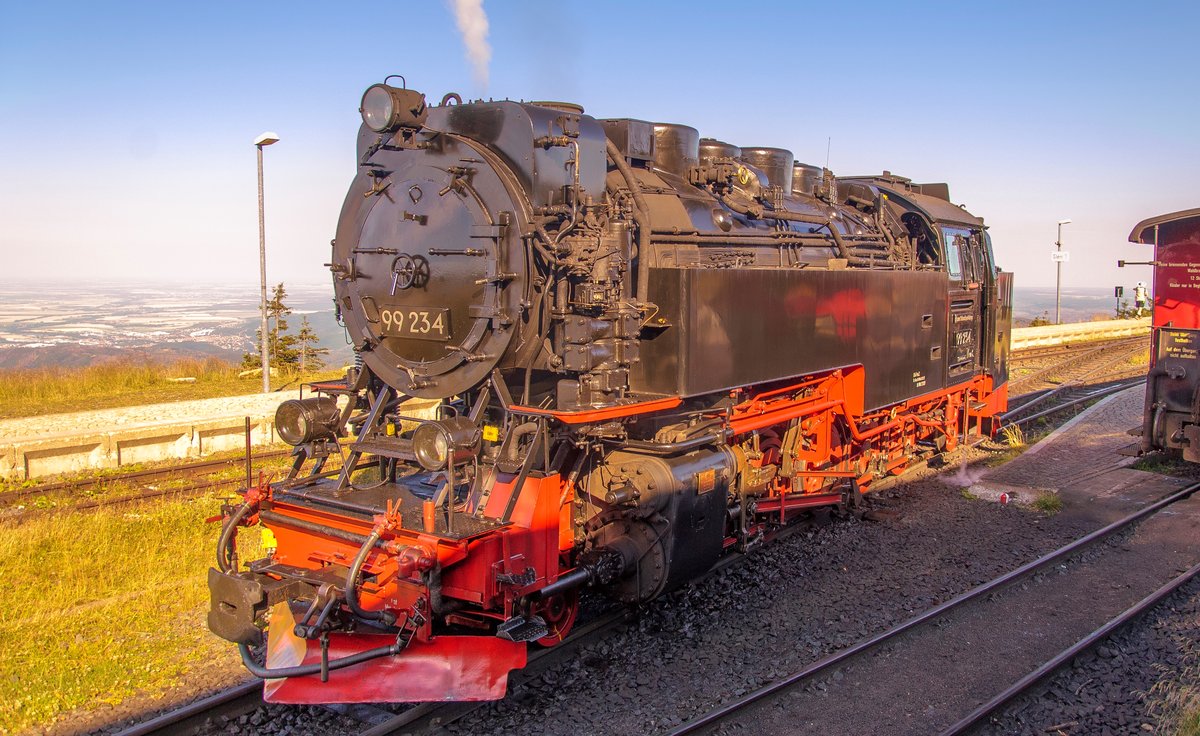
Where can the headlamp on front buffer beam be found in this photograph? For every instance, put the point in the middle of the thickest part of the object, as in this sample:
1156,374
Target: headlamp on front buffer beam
299,421
436,443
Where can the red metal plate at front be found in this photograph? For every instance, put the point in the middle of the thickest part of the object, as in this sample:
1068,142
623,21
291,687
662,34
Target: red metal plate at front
449,668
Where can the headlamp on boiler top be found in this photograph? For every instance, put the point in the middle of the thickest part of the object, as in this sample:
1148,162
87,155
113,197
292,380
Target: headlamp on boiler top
385,108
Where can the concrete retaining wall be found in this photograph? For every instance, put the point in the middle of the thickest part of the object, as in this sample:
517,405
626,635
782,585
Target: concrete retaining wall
1027,337
45,454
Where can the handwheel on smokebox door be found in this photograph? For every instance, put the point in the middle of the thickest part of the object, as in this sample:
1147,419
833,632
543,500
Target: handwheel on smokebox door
559,612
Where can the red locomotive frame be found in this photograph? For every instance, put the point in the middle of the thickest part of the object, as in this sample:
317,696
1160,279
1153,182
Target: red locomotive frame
540,536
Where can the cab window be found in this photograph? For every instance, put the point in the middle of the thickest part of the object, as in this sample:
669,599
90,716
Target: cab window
955,239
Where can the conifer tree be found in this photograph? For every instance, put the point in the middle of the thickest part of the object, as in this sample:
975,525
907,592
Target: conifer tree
283,353
310,352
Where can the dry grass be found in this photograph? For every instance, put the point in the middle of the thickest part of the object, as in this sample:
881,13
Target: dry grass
1013,435
115,383
1175,699
1139,358
102,605
125,382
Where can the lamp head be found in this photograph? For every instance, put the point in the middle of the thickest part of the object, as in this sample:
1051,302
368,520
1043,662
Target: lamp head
1064,222
266,139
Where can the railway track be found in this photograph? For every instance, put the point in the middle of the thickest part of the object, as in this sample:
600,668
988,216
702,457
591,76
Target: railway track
376,721
233,701
935,616
1070,349
428,717
145,477
1027,683
144,485
1080,364
1061,399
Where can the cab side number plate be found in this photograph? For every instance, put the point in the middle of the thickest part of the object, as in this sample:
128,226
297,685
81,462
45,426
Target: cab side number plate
419,323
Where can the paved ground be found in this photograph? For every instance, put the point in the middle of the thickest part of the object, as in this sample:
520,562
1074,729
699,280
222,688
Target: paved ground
101,420
1083,457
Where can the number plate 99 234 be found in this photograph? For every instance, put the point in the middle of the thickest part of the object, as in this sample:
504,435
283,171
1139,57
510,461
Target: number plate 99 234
420,323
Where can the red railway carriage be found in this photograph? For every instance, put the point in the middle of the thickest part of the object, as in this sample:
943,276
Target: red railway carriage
1171,419
647,349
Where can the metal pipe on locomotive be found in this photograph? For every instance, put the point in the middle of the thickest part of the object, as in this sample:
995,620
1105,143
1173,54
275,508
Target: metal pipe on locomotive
649,349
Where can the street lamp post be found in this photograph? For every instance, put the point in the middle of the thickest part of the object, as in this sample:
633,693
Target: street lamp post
264,139
1058,275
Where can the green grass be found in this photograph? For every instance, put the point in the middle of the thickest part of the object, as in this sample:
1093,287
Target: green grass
124,382
1176,698
102,605
1189,723
1165,463
1048,503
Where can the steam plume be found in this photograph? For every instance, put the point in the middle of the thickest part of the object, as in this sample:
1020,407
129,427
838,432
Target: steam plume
473,25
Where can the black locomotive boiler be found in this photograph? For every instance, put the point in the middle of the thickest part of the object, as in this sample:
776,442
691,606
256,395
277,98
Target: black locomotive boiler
648,348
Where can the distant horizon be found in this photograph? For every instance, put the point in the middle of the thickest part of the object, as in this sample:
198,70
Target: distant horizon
149,283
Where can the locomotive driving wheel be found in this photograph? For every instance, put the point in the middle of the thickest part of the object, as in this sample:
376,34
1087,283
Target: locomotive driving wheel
559,612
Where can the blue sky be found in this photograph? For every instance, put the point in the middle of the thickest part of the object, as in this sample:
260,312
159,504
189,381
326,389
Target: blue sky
126,128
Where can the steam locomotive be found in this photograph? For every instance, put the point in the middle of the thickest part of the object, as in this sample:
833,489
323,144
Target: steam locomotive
1171,420
646,348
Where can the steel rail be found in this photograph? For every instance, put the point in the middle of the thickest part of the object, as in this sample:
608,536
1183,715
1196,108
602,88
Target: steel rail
437,715
60,487
1034,352
1081,357
1070,653
172,722
1102,393
725,710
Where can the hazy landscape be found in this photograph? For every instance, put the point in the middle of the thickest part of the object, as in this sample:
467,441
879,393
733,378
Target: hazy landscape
75,325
